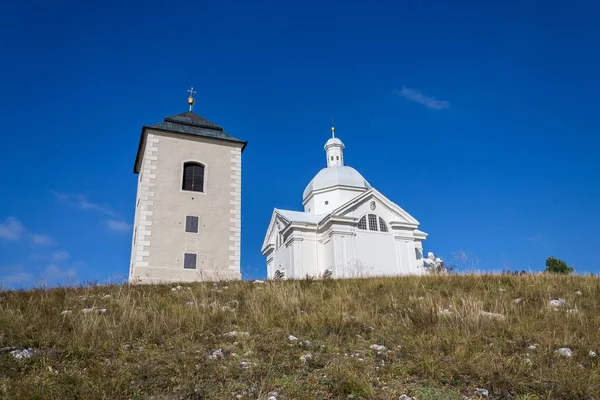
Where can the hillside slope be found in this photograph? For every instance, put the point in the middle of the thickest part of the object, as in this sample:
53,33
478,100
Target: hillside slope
428,338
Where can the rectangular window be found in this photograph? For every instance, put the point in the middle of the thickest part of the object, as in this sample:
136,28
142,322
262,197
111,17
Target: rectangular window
372,222
191,224
189,260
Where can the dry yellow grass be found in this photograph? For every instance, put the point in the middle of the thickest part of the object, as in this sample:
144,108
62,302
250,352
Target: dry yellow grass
444,336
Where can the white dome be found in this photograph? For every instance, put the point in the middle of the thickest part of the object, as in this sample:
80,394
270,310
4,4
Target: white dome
338,175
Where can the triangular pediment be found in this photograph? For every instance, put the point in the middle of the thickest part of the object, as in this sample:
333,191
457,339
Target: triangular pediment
373,198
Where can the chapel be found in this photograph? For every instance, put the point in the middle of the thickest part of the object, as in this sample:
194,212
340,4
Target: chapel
347,229
187,223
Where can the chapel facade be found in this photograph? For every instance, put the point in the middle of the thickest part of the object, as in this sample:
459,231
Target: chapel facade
187,223
347,229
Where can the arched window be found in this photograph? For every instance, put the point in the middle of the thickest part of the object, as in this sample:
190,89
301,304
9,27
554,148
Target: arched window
375,223
382,225
362,223
193,177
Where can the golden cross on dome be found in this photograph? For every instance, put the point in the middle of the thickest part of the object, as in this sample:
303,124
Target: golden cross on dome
191,100
332,128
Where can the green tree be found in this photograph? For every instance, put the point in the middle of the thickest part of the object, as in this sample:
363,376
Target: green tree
556,266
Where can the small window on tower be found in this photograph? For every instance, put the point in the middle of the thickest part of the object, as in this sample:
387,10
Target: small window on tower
337,158
189,260
193,177
331,158
362,223
191,224
372,222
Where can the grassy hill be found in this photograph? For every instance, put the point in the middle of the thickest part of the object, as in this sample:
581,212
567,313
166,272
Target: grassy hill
437,337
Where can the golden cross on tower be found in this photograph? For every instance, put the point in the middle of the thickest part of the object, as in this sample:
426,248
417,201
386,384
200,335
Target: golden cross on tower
191,100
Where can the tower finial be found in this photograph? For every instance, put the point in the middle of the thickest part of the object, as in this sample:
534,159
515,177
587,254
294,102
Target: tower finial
191,100
332,128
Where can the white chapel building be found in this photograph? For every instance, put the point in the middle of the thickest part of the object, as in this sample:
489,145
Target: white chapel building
187,224
347,229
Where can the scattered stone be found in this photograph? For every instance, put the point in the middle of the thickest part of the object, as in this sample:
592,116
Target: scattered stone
217,354
501,289
306,357
101,310
482,392
378,347
7,349
87,310
190,304
66,312
445,311
259,281
405,397
272,395
579,293
558,302
106,296
227,308
532,347
292,338
572,311
517,300
176,288
491,315
306,343
236,333
21,354
564,352
271,398
592,354
246,364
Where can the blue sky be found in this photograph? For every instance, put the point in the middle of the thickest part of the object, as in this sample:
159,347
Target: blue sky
478,118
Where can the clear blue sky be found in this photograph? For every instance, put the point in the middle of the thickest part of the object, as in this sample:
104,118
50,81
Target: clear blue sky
480,119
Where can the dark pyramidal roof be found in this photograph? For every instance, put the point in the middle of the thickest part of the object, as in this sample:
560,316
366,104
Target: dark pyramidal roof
187,123
193,124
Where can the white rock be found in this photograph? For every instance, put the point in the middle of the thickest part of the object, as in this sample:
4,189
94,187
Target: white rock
106,296
501,290
176,288
378,347
190,304
572,311
532,347
273,393
482,392
292,338
579,293
306,343
246,364
87,310
271,398
564,352
558,302
405,397
236,333
306,357
592,354
517,300
66,312
445,311
259,281
101,310
217,354
491,315
21,354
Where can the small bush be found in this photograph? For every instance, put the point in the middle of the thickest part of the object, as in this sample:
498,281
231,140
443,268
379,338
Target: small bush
557,266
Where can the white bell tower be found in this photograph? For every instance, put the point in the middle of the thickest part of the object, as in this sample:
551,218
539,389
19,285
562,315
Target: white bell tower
334,148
